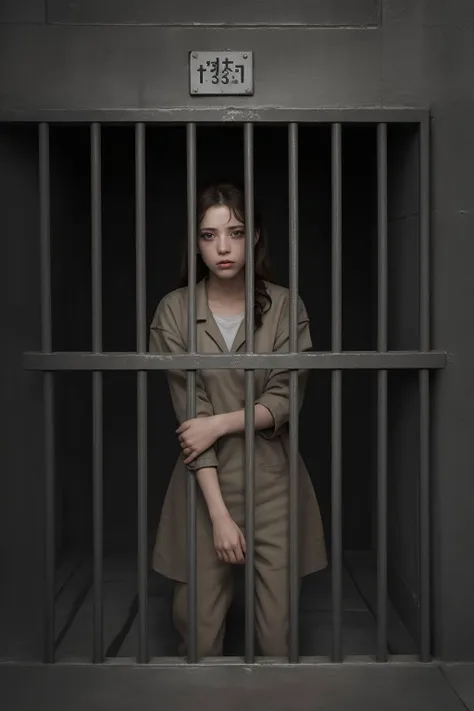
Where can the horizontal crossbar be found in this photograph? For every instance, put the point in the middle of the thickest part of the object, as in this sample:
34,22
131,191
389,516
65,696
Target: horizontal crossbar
349,360
216,115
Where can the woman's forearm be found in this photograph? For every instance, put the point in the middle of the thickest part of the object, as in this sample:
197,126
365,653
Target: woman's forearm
233,422
228,423
209,483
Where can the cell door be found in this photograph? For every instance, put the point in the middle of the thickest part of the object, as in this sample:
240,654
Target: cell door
347,195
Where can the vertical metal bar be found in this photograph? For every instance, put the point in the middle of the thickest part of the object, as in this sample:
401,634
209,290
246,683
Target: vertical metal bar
249,397
191,391
424,385
294,405
336,393
382,342
97,393
140,203
48,393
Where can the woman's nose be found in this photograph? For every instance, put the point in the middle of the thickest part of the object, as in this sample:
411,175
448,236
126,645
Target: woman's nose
223,246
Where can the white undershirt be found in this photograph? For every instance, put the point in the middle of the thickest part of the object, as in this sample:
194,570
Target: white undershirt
228,326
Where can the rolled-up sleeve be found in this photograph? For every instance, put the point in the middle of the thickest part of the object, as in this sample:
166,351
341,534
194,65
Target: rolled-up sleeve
166,338
276,395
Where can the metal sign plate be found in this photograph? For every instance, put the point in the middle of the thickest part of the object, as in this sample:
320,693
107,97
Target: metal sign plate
221,73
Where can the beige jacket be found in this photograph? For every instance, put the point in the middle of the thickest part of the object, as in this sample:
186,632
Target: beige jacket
222,391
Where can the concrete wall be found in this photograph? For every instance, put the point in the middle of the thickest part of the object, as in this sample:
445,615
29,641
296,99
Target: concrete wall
341,54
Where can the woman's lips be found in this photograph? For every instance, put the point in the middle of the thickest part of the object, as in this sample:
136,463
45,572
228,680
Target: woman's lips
225,265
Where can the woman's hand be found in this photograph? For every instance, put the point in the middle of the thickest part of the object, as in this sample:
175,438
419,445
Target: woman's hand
197,435
229,540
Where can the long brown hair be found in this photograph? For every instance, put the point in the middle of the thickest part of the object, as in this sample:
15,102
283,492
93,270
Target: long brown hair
233,197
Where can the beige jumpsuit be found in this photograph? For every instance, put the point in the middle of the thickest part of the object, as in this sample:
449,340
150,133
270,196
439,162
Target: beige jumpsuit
222,391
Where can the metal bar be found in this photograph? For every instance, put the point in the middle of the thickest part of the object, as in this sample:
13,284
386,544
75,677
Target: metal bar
97,392
336,395
249,398
425,632
382,248
48,394
424,386
96,219
364,360
142,415
382,342
45,236
294,404
208,114
191,527
140,216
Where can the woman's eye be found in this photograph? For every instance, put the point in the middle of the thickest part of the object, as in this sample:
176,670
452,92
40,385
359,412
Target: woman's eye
206,235
238,233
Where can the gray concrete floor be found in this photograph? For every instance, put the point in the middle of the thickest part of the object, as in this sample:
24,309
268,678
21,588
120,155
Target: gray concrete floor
369,687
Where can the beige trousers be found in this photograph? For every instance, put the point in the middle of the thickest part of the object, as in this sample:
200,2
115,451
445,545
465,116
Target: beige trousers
215,589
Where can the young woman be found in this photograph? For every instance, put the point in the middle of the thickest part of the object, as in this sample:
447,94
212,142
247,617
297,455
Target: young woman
213,443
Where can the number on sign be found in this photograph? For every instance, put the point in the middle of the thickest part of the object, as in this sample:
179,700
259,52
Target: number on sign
214,67
240,68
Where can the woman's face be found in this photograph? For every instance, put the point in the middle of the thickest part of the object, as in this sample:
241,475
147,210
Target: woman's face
222,242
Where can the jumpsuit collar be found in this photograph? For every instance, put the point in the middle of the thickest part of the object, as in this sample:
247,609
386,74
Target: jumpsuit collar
204,316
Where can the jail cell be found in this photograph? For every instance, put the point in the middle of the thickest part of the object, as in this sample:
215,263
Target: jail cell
346,202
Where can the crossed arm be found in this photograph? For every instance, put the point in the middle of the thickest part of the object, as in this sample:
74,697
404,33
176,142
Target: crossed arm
199,434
